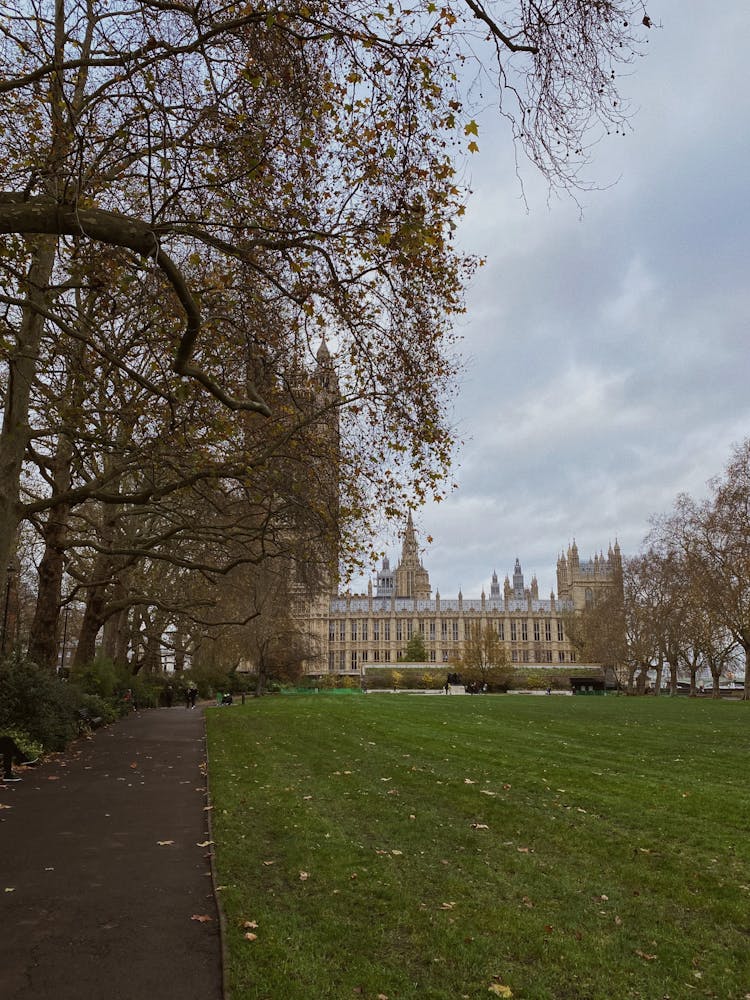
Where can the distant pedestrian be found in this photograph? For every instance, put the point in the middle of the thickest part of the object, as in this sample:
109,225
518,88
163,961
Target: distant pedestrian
448,685
168,696
192,695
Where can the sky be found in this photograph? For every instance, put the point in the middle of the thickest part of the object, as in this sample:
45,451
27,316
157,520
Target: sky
606,349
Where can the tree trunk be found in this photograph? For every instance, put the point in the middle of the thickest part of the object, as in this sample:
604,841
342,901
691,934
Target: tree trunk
630,683
43,642
14,434
746,690
93,618
260,683
673,677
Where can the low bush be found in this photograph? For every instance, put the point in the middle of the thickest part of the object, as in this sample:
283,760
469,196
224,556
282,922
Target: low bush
31,748
36,703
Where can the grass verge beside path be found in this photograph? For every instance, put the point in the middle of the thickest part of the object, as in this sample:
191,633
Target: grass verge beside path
449,848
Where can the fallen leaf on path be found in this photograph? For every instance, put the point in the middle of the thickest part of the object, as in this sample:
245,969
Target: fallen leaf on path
202,918
164,843
204,843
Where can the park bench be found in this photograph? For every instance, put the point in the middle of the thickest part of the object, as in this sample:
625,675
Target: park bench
87,720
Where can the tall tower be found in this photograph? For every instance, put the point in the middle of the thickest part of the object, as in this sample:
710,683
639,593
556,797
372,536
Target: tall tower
410,578
518,581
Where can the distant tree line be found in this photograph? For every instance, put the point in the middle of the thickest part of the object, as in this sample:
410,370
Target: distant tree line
684,606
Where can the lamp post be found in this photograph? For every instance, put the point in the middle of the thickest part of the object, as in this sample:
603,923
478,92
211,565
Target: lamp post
8,581
64,641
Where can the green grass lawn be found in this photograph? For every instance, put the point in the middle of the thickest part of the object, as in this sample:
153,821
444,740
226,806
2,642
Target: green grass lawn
455,847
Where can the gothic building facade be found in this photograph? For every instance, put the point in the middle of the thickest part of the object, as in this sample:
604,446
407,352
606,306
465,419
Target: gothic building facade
350,632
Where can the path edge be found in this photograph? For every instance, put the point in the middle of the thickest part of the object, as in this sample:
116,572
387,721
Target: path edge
224,954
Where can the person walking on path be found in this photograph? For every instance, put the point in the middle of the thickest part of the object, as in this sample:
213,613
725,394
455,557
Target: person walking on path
106,869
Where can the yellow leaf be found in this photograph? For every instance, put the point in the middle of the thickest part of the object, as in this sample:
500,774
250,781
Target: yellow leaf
500,990
471,128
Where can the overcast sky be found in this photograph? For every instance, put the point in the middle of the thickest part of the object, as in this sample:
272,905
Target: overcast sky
606,354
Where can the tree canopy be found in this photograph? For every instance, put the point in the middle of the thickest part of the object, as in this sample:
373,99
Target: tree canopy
192,195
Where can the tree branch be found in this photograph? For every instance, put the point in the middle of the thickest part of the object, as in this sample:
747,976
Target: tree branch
43,215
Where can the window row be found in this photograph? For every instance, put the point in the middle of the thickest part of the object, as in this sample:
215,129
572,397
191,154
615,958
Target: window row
359,629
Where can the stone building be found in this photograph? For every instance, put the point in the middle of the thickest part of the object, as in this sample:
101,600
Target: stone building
349,632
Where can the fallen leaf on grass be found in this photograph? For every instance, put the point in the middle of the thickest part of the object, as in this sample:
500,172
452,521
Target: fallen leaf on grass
304,876
523,850
527,902
468,781
202,918
250,936
267,863
250,925
447,906
644,955
479,826
500,990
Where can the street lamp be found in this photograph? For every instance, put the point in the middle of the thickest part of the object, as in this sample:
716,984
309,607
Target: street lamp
8,581
64,640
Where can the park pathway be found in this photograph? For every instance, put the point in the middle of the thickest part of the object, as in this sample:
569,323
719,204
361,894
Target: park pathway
104,864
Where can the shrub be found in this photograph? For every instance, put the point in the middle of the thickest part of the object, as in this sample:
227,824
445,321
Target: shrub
98,708
99,678
35,702
31,748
